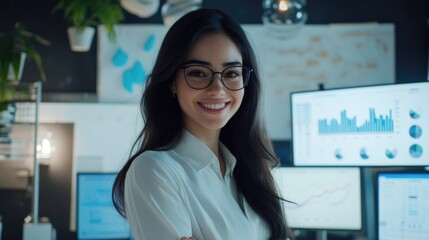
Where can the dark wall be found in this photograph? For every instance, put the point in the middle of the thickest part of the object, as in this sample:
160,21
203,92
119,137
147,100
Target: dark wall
70,72
56,179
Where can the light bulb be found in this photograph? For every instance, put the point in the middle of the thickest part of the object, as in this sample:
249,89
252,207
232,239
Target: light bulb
46,146
284,18
283,5
45,149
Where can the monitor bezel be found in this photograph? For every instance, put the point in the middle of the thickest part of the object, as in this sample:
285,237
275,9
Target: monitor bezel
292,148
78,175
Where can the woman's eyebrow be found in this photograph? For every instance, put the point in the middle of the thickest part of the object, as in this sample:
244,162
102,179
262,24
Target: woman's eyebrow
195,61
232,64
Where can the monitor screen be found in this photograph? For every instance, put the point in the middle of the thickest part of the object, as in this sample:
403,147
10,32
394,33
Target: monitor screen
384,125
326,198
403,206
96,216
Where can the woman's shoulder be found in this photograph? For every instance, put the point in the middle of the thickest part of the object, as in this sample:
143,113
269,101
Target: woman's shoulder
151,171
156,162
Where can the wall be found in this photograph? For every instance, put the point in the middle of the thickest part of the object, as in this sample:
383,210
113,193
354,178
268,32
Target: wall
103,133
70,72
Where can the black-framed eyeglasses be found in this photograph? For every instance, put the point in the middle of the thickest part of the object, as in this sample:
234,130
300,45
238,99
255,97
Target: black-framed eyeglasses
200,77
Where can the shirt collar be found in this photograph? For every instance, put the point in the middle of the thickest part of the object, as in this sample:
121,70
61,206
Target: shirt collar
200,155
229,159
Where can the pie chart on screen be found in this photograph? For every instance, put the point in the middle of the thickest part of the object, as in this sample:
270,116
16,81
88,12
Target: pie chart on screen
416,151
415,131
363,153
391,153
414,114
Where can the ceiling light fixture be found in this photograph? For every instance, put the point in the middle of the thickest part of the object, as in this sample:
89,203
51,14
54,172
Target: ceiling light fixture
284,18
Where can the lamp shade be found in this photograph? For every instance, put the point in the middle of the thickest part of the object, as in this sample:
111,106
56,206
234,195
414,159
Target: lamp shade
172,10
141,8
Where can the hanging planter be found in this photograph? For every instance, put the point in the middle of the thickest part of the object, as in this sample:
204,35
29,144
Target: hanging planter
81,14
80,40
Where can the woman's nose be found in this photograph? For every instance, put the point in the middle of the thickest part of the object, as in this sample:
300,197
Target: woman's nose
217,84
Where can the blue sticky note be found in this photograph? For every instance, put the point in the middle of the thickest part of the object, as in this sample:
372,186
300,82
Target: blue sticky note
139,72
127,80
150,42
119,58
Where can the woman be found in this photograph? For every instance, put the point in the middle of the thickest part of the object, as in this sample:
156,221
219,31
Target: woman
202,167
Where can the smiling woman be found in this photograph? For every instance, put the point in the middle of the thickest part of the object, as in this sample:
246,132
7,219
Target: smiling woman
201,165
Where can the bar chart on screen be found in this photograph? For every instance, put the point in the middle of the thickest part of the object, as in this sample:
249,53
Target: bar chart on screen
381,124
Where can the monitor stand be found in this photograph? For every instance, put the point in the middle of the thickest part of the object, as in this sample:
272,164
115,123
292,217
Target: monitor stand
322,235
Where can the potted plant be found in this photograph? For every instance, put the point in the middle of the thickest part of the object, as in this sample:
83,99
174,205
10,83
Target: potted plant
15,47
83,15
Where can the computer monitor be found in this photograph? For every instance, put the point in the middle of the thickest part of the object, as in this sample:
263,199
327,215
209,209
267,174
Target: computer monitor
326,198
96,216
403,205
384,125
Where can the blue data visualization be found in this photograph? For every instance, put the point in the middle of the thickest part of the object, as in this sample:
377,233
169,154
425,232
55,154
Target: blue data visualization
373,124
383,125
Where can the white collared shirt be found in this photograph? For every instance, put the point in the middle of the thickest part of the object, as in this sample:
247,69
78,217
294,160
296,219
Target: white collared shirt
181,193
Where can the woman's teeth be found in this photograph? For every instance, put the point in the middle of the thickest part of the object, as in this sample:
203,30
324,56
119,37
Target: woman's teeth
214,106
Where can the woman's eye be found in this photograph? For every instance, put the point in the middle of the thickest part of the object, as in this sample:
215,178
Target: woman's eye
196,74
231,74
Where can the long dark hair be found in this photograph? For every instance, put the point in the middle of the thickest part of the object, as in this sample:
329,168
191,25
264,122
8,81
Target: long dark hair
243,135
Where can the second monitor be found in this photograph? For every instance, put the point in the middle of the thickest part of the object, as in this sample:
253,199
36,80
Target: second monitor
326,198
